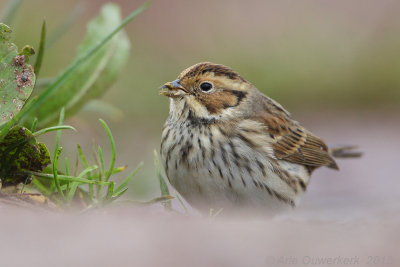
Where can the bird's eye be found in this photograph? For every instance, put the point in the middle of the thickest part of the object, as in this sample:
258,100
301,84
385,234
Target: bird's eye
206,86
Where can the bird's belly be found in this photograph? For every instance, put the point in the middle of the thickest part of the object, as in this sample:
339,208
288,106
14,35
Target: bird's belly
212,174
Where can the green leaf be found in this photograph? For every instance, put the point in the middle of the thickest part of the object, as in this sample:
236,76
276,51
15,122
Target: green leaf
20,152
16,76
88,79
6,127
5,33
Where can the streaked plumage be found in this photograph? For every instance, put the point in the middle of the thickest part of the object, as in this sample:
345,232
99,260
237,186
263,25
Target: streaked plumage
227,145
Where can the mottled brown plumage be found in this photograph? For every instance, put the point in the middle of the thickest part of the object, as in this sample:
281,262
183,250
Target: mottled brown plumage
226,145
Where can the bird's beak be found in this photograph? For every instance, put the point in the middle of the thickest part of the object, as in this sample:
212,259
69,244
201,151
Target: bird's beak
172,89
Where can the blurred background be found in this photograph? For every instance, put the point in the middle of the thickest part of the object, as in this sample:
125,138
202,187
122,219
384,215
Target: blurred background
335,65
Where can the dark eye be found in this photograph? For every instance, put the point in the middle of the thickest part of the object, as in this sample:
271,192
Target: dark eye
206,86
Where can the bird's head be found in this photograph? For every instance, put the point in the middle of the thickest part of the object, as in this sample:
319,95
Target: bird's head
209,91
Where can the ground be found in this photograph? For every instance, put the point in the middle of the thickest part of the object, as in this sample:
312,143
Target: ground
350,217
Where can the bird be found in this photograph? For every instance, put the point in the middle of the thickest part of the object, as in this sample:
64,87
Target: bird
227,146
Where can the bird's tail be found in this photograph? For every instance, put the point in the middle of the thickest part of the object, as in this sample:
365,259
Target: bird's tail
344,152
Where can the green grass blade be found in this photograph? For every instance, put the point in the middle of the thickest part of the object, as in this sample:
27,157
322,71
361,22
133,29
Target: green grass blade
118,170
128,179
182,204
87,170
55,172
72,191
163,184
153,201
34,125
101,159
113,150
60,122
94,177
66,178
217,213
54,128
119,194
110,190
82,156
42,45
66,166
56,84
86,165
57,151
41,188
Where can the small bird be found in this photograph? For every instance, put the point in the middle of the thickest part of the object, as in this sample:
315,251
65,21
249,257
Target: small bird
226,145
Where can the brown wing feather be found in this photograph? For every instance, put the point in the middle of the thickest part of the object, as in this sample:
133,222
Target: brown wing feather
294,143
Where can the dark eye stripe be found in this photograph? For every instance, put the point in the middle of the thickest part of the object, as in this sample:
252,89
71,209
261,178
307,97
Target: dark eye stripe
229,98
239,94
239,97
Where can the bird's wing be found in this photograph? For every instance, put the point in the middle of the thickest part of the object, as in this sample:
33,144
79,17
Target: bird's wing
291,141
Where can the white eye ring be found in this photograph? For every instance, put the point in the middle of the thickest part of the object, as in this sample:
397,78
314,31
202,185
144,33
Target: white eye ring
206,86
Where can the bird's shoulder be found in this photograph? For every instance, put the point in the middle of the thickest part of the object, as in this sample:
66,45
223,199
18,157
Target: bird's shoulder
285,138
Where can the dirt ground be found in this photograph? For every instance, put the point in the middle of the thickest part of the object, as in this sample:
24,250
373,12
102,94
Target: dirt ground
350,217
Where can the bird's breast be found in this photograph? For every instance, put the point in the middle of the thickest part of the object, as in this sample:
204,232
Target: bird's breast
208,165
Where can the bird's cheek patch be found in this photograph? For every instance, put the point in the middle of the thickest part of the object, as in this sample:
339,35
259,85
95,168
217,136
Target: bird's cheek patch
217,102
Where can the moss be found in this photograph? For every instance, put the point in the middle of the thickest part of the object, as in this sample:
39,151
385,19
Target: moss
20,152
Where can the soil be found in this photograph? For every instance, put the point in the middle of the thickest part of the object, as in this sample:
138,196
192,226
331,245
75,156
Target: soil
347,217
